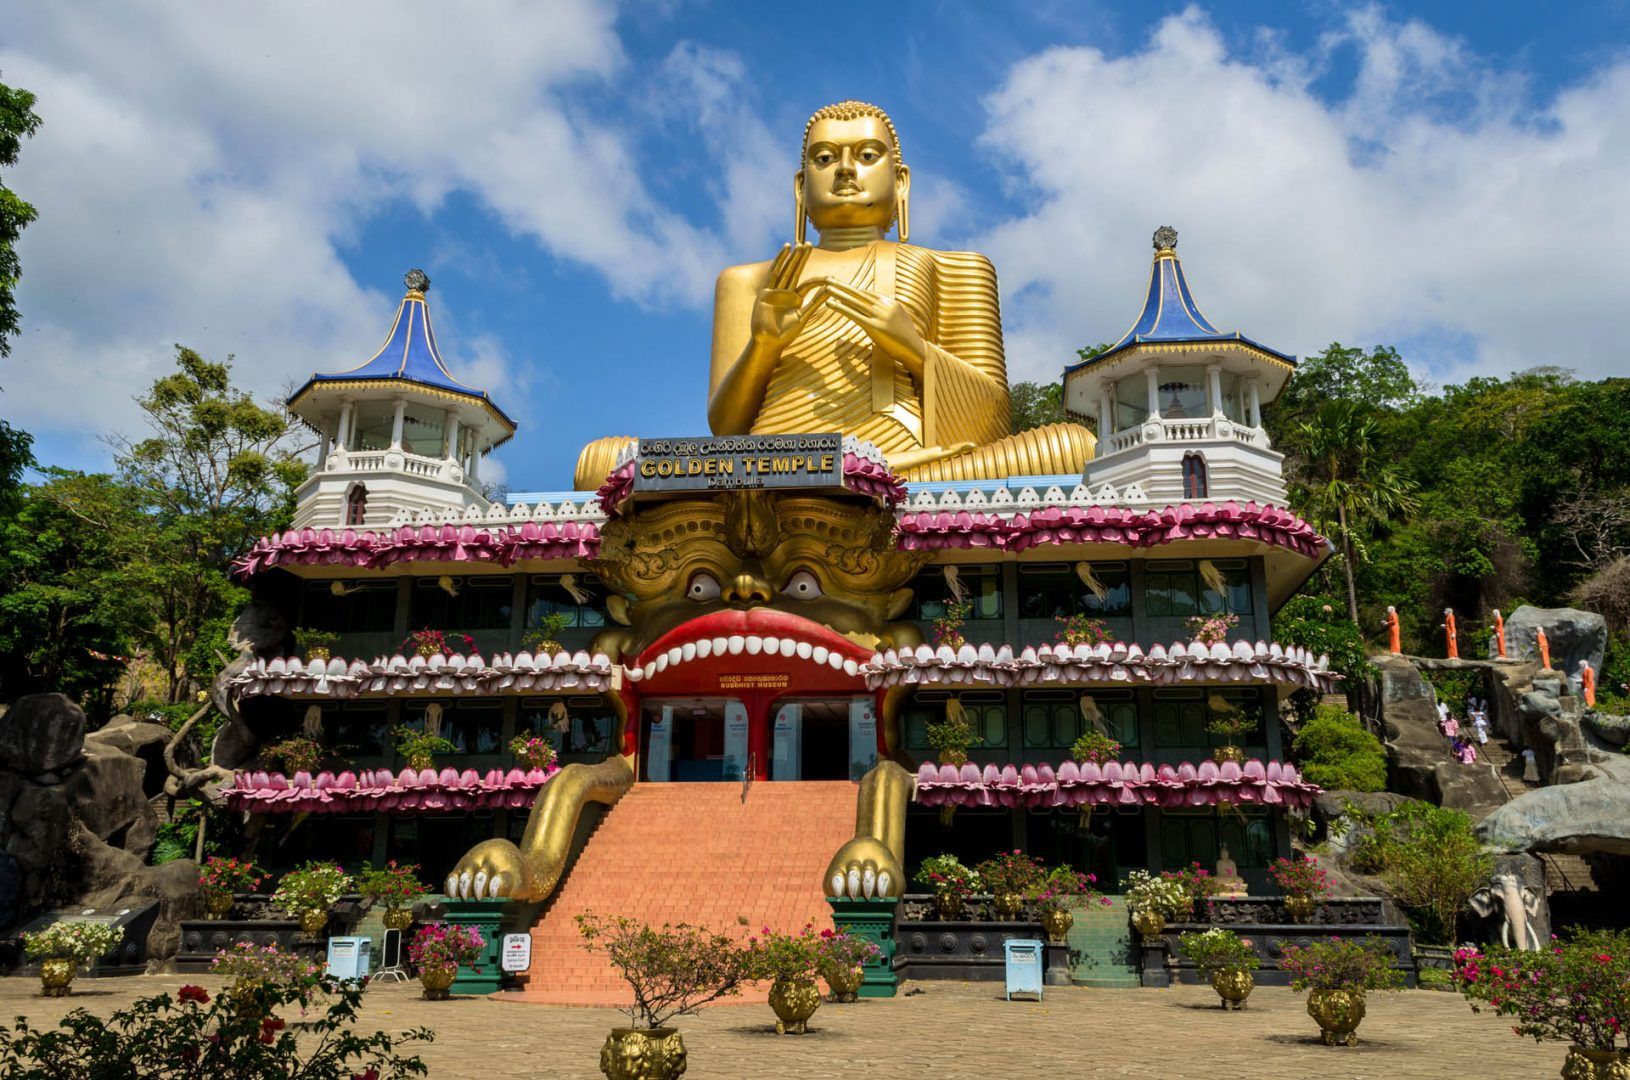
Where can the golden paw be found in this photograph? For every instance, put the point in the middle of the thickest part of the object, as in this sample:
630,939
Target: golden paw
491,870
862,869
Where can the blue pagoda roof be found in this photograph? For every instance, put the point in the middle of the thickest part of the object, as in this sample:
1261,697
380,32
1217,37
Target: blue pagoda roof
410,355
1170,316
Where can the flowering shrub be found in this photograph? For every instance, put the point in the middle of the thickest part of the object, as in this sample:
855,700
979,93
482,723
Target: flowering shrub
1145,892
445,947
1096,747
671,969
534,750
297,755
843,950
265,964
429,643
945,873
191,1037
1211,629
1576,992
1080,630
1300,877
545,637
77,941
789,957
414,744
953,735
1011,872
393,886
1218,950
316,886
1196,881
1341,964
1063,882
221,875
948,627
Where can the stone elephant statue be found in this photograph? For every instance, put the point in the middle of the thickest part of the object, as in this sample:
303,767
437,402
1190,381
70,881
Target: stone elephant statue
1517,903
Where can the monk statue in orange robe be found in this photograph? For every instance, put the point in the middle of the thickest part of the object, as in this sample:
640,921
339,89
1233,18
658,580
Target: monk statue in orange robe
893,343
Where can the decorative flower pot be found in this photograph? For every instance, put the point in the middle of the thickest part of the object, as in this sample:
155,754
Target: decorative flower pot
948,903
843,981
1057,922
397,918
1224,754
1149,923
794,1002
312,920
1584,1063
546,648
428,649
643,1054
242,994
1337,1012
958,758
218,905
318,652
436,982
1300,908
1233,987
55,975
420,762
1008,904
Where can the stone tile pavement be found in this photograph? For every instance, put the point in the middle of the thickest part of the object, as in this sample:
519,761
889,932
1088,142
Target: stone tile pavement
956,1031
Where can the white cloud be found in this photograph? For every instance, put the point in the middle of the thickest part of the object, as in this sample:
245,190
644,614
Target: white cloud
1430,204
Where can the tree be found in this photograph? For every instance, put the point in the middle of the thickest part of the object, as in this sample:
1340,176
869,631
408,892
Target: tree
17,122
16,458
217,471
1345,483
1032,405
1377,381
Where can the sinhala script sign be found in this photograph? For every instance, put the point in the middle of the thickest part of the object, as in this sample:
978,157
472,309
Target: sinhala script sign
739,461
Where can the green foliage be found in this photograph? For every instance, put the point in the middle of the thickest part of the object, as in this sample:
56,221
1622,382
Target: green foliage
946,873
1434,979
1376,380
672,970
1577,992
1431,862
1334,751
178,837
18,120
1218,950
1454,685
1034,405
1011,872
1319,626
391,885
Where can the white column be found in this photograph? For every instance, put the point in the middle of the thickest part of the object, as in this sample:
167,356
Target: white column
1106,424
452,435
1214,379
322,449
475,464
1256,404
1153,375
344,436
396,424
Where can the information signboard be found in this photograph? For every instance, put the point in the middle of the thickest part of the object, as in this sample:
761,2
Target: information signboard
517,952
739,461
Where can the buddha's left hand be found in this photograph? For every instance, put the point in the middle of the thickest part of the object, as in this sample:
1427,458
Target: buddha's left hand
887,323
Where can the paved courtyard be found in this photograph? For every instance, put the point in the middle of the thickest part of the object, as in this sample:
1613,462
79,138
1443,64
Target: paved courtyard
953,1030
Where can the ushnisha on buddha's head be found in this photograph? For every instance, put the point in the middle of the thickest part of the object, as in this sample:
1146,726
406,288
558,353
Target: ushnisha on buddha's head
852,175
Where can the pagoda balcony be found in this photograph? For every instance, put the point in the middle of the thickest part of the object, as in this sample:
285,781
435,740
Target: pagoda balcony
1213,429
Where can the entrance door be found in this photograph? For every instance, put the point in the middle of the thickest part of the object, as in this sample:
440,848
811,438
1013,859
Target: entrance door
694,739
824,738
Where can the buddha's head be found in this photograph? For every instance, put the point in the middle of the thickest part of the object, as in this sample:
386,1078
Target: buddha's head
852,174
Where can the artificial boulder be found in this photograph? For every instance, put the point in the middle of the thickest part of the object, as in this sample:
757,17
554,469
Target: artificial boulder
1573,635
1581,818
107,875
108,794
1418,761
41,733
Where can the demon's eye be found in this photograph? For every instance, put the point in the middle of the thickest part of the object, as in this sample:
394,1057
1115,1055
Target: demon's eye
802,586
703,586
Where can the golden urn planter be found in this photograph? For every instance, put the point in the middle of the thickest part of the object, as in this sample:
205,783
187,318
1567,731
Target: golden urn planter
1149,923
1057,922
1223,754
1338,1013
1300,908
794,1002
420,762
948,905
1583,1063
1233,987
397,918
312,920
318,652
436,982
643,1054
843,981
55,976
218,905
1008,904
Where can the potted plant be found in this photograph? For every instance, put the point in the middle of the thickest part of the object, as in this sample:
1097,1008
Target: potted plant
419,748
1211,629
439,950
1081,630
1096,747
297,754
790,962
544,639
1053,894
953,735
64,947
1577,992
253,967
533,751
221,879
428,643
308,893
395,888
1152,900
948,627
1337,974
1226,959
952,883
1303,884
672,970
1198,885
1010,877
843,961
1229,724
315,644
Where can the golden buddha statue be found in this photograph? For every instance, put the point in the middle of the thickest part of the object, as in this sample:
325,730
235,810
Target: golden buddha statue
893,343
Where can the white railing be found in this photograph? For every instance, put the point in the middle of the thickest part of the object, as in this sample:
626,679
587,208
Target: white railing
1184,430
364,462
421,466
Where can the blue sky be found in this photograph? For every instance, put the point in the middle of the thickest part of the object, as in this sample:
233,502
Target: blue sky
1444,177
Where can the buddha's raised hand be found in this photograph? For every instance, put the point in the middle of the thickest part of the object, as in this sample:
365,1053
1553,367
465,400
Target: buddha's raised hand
783,305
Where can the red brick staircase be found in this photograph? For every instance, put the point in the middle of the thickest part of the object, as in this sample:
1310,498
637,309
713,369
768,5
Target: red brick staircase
696,853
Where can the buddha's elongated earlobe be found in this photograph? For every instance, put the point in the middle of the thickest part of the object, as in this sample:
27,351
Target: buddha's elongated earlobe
800,227
902,200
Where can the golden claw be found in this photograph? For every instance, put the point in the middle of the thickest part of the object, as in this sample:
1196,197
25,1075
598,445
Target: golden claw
872,864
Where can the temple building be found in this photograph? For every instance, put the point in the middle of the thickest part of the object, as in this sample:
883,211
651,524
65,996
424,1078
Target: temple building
777,620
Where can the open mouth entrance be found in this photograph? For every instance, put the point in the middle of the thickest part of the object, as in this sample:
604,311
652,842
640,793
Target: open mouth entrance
728,738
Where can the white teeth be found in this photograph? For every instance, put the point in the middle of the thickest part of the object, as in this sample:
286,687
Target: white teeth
704,648
755,644
649,669
772,645
804,650
688,653
850,667
674,655
835,661
737,644
662,662
788,646
720,645
819,654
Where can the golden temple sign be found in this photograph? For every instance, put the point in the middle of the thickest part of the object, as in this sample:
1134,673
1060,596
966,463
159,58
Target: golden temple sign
739,461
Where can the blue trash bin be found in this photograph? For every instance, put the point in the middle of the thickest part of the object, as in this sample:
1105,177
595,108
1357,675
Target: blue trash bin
1025,961
348,957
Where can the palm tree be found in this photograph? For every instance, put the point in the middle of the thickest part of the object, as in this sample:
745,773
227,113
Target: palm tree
1344,484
